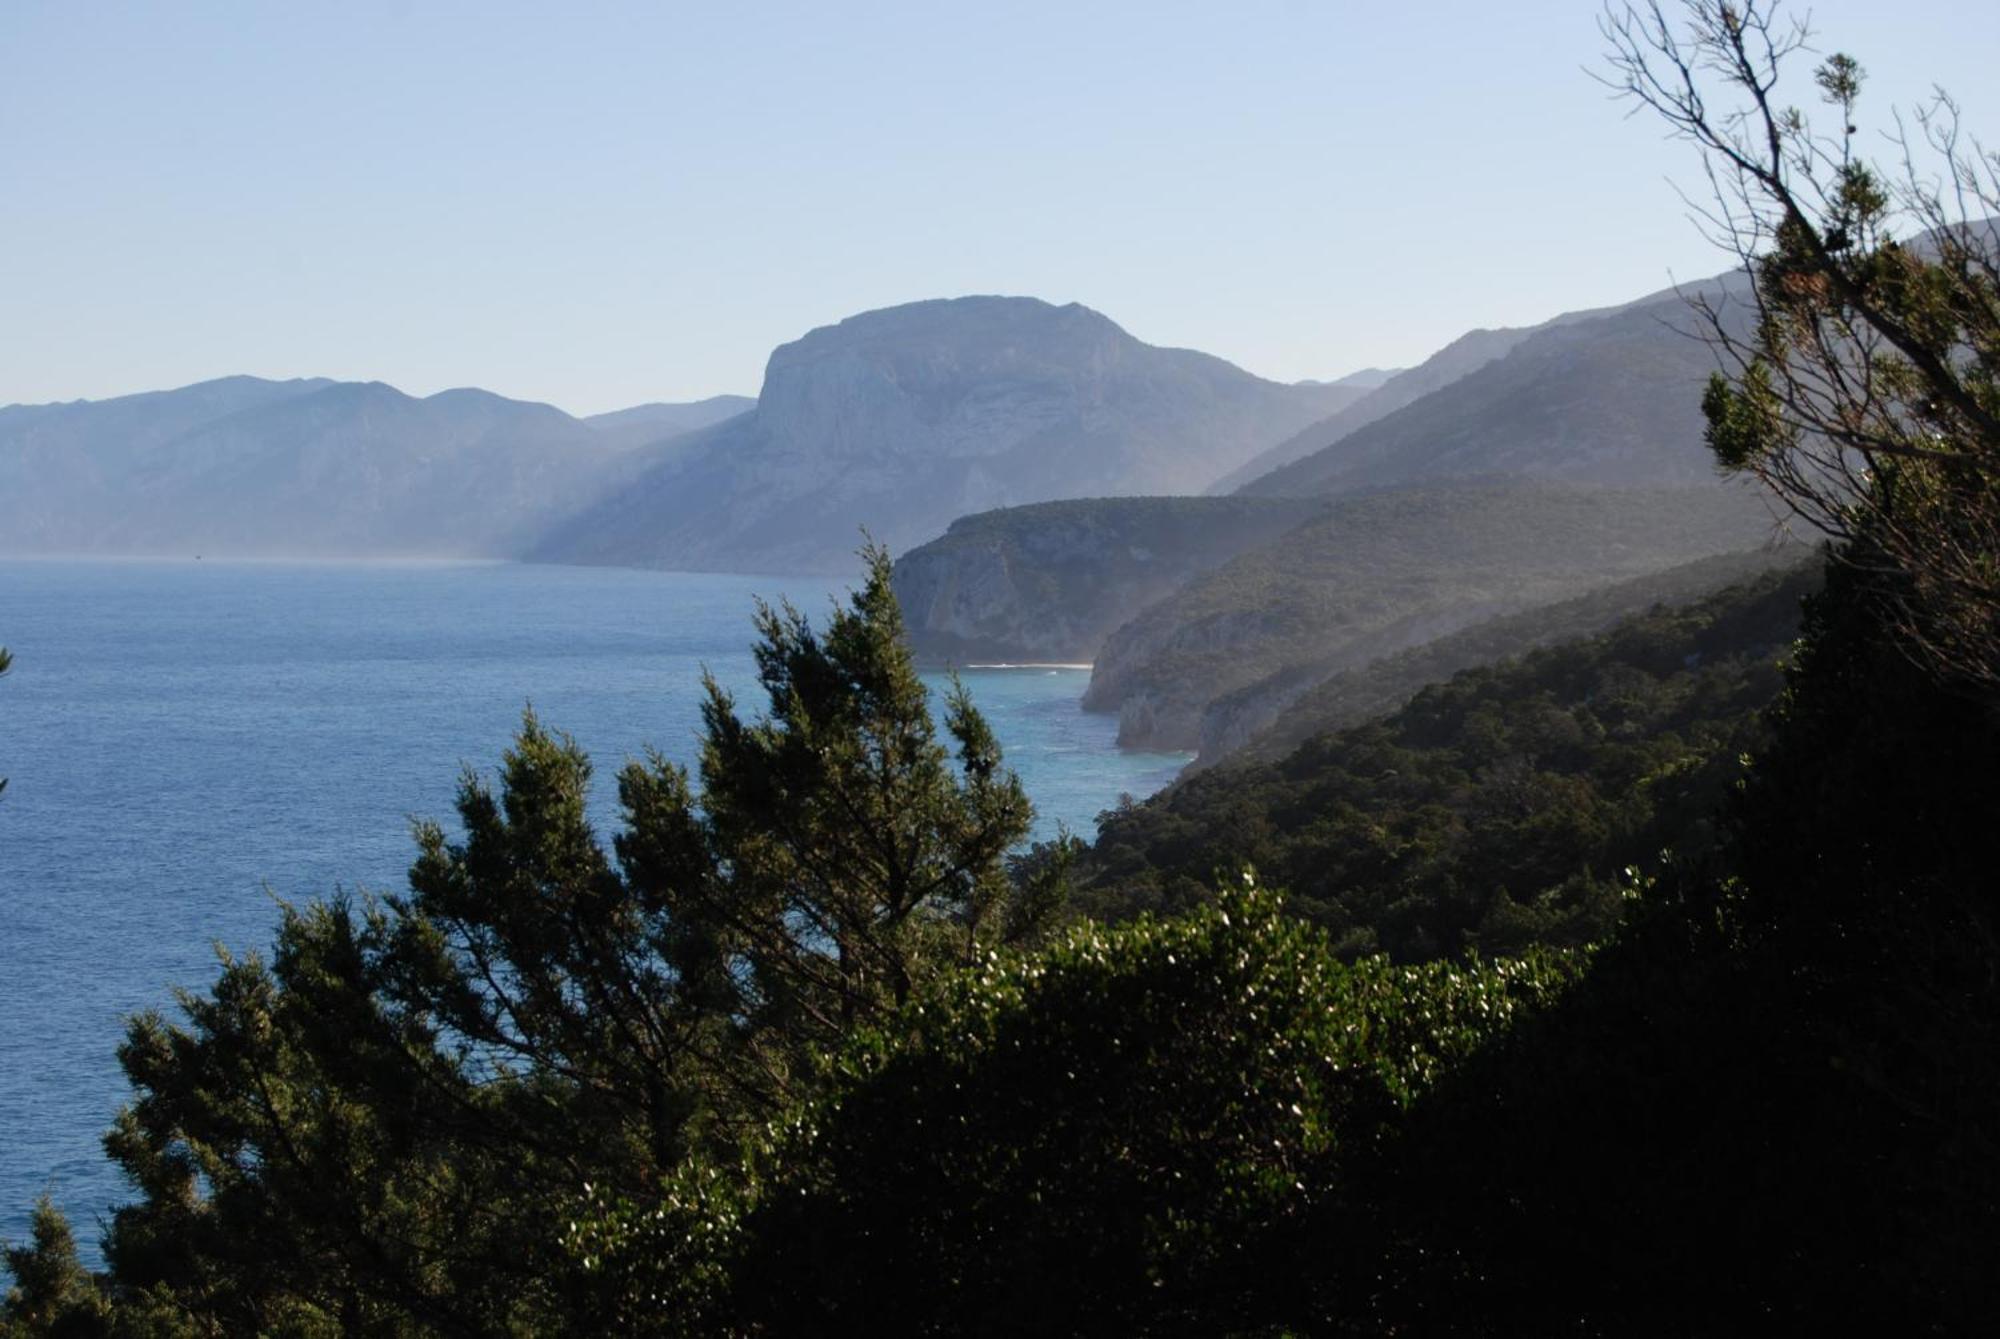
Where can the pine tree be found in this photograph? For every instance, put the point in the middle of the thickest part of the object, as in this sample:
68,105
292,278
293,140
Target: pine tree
386,1125
52,1293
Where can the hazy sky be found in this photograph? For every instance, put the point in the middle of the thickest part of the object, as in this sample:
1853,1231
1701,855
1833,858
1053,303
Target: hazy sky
598,204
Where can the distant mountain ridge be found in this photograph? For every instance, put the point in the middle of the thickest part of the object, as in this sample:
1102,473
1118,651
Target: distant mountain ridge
644,424
1391,392
1367,378
1467,353
902,420
306,468
898,421
1608,396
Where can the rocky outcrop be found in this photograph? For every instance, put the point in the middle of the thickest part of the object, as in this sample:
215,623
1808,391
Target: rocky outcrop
1049,582
900,421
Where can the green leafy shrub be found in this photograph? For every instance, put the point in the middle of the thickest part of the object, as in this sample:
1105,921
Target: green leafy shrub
1123,1133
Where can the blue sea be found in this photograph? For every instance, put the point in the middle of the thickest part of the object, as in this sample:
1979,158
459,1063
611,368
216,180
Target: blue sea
188,743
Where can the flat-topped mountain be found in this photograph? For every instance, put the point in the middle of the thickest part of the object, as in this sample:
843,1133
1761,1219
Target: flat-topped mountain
904,419
247,467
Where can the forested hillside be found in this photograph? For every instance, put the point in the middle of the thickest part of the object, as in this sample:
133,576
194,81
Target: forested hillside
1605,397
1515,804
1268,719
1468,353
1382,572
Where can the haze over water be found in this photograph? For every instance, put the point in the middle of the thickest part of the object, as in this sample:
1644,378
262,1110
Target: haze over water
188,742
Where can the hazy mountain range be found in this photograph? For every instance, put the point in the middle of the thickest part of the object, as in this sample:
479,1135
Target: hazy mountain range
247,467
1387,393
644,424
1513,468
902,420
1073,484
898,420
1606,396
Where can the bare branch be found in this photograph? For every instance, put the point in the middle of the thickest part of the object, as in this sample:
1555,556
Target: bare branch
1861,377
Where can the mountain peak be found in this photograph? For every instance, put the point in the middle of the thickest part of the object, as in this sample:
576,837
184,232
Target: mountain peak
906,417
363,392
238,385
977,319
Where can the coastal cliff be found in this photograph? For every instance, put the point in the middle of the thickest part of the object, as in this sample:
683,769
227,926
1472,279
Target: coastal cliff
1051,581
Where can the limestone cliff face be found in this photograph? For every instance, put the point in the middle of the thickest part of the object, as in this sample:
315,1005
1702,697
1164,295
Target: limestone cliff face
1048,582
900,421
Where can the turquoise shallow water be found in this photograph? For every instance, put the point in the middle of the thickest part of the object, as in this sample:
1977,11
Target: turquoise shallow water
188,741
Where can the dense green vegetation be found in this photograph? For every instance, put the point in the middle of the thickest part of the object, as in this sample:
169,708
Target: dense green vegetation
1515,804
1770,1105
1120,1133
518,1101
1263,723
796,1058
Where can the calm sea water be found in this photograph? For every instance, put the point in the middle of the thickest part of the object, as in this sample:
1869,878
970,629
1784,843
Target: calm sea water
188,742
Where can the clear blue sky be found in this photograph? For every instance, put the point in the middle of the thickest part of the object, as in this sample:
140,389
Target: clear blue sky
598,204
